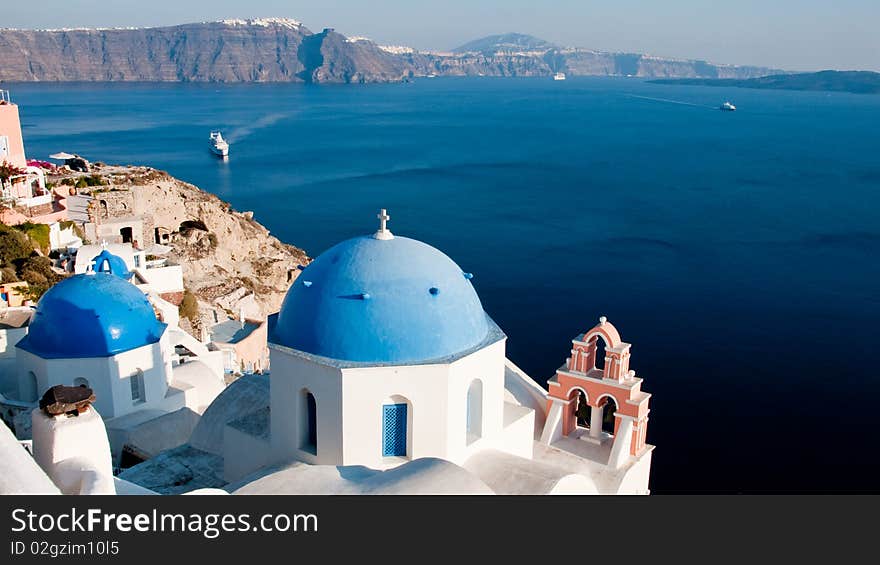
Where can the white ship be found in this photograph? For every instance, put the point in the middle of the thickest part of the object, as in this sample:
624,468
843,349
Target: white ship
559,76
218,144
728,107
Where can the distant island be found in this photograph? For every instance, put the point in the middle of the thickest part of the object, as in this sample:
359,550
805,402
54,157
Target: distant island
284,50
858,82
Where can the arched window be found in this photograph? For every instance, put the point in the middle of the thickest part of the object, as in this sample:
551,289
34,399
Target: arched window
395,427
582,410
475,411
609,407
599,362
137,387
80,381
308,440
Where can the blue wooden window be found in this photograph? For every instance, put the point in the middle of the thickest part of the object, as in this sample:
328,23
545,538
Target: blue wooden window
394,430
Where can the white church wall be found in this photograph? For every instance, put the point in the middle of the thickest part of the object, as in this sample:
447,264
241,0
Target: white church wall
108,377
151,365
487,365
519,428
366,390
8,369
634,479
291,375
37,375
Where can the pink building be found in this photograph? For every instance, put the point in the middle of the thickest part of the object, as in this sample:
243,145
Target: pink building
11,142
24,195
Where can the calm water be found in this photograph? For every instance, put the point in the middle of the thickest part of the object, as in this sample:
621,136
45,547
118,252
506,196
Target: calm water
737,252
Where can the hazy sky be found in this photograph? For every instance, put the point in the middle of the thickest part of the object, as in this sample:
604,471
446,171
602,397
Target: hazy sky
788,34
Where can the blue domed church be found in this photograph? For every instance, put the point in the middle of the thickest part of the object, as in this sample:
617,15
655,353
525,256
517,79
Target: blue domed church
389,376
100,330
385,330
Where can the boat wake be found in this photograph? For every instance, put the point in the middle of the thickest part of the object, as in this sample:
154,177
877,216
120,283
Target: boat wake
247,130
667,100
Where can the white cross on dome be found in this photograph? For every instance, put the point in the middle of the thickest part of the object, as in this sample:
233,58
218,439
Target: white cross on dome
383,232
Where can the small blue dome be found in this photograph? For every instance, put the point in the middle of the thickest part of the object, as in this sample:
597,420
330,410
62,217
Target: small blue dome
91,315
106,262
393,301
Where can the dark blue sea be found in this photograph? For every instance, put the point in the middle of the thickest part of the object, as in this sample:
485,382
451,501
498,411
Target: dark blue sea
738,252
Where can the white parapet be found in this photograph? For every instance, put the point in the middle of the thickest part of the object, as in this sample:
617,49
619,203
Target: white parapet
74,451
19,473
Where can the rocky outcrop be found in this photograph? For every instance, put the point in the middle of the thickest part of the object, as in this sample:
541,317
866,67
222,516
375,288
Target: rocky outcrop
228,259
331,57
283,50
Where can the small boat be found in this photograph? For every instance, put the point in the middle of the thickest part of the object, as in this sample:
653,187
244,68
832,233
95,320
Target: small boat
559,76
728,107
218,144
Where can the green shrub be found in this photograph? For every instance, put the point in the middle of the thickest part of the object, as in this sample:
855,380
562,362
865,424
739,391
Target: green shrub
34,278
8,274
14,246
189,306
38,234
41,266
95,180
38,273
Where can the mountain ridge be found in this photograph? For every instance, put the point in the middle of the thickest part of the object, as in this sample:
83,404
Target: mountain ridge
511,41
285,50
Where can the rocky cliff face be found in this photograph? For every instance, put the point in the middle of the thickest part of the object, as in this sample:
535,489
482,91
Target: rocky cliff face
281,50
217,51
331,57
229,260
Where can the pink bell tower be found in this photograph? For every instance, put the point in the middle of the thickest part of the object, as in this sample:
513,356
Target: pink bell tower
608,387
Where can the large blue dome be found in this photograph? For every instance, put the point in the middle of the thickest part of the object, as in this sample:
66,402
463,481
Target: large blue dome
384,301
91,315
